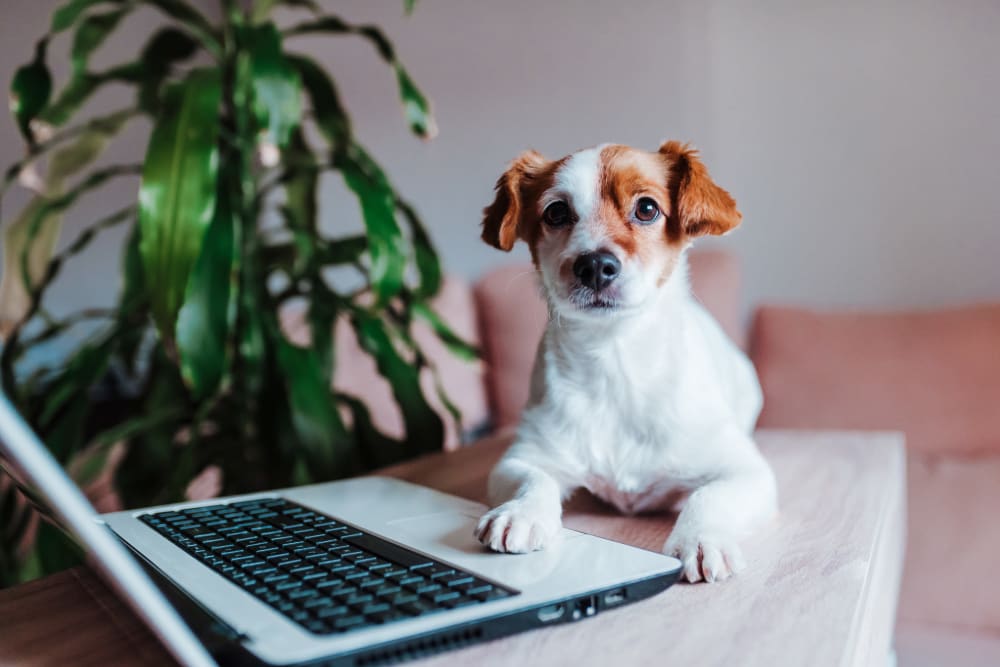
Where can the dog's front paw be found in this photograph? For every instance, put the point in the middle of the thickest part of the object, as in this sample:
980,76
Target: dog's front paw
705,556
517,528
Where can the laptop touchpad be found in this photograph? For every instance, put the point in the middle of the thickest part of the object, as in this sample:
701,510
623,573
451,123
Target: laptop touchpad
449,536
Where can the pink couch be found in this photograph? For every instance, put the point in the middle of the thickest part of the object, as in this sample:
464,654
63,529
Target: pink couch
933,375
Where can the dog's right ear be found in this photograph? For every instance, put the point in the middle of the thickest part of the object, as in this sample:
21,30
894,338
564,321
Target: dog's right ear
502,218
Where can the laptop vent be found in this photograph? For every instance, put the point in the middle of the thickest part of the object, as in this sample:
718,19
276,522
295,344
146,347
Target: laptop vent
419,648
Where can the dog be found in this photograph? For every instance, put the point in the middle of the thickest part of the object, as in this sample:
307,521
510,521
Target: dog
637,394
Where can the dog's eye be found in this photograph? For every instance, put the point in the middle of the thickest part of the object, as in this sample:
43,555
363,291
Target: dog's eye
646,210
556,214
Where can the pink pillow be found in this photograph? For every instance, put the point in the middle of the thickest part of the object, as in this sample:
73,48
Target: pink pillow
934,375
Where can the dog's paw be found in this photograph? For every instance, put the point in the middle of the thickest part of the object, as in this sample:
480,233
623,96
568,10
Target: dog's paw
517,528
704,556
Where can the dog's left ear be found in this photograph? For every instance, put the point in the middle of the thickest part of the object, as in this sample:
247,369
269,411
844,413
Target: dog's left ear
700,206
502,219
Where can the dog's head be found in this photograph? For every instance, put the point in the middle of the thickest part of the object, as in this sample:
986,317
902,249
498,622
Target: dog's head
607,225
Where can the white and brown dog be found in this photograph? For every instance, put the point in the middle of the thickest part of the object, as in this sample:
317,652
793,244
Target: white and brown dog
637,394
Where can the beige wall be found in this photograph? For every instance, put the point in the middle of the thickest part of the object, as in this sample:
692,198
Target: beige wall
860,138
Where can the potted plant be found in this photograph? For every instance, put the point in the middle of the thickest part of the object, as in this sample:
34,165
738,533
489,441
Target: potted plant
193,365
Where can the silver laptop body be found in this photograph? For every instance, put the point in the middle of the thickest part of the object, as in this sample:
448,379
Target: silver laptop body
580,576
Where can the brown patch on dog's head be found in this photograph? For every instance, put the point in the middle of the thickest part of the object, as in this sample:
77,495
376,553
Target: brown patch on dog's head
628,174
701,207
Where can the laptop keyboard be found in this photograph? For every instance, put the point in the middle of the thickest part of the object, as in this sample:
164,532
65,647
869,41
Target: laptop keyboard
326,575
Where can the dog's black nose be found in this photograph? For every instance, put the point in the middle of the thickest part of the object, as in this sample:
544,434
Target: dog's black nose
597,270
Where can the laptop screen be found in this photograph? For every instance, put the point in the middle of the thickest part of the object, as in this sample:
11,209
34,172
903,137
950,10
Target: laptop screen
29,465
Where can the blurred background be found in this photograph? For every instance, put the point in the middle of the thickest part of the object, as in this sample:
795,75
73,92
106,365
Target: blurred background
859,138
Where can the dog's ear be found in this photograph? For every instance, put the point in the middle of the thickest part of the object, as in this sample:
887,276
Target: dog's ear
502,218
699,205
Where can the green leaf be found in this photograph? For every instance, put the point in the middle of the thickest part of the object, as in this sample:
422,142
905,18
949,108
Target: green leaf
326,442
424,429
177,196
330,115
191,19
408,6
167,47
386,246
69,13
152,453
89,146
203,321
415,106
276,87
347,250
91,33
301,182
30,91
82,86
458,347
39,227
428,264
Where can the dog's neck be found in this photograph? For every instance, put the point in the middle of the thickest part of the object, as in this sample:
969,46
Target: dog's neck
652,322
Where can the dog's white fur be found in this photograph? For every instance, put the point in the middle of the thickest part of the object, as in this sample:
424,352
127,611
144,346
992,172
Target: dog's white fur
647,408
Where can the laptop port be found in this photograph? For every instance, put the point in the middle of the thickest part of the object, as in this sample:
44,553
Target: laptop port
611,598
586,606
551,613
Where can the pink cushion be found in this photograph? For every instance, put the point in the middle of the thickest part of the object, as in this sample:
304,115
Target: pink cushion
357,375
953,543
933,375
512,317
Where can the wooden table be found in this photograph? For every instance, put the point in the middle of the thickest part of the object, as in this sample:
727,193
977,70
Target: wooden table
820,589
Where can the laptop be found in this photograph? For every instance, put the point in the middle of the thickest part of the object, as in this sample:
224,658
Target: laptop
367,571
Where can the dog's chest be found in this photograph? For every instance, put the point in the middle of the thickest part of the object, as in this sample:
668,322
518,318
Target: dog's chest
628,449
624,418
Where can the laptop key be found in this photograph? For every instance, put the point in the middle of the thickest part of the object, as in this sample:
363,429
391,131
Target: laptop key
374,608
424,589
358,599
302,593
437,571
417,608
387,550
330,612
370,582
346,622
317,601
446,596
477,590
387,616
387,591
457,581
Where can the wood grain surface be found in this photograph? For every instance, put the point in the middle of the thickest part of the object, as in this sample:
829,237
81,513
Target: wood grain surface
820,589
